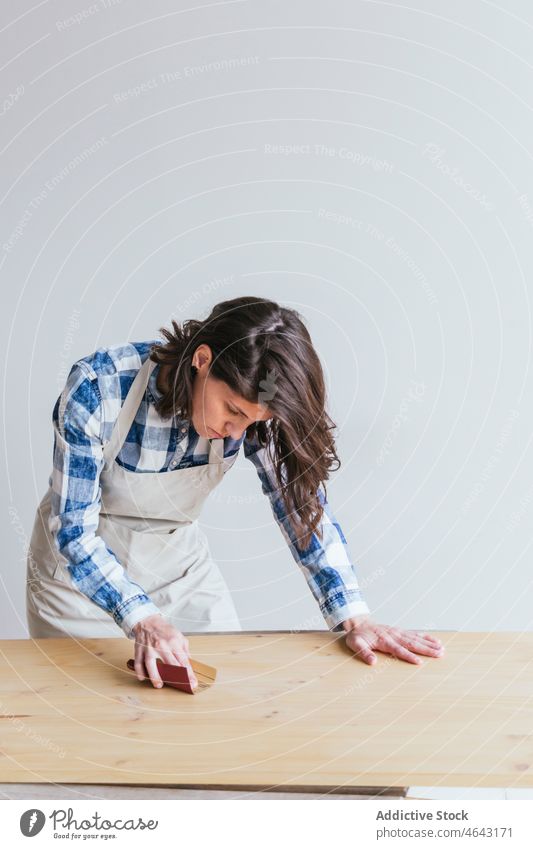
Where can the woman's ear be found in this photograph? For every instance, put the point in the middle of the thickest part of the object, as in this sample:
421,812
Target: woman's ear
202,356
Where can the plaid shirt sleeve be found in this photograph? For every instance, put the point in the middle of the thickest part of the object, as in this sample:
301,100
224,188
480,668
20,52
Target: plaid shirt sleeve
75,503
325,563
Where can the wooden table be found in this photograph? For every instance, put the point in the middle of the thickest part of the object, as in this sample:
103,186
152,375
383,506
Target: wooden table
288,712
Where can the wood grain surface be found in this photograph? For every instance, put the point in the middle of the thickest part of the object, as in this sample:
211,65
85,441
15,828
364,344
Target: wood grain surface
286,710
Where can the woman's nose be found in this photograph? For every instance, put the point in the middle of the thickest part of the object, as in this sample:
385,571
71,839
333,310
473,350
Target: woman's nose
233,430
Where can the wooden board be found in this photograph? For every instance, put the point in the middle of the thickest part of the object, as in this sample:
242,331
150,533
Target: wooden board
286,710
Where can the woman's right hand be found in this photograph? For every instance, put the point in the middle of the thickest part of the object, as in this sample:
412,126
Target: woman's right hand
156,637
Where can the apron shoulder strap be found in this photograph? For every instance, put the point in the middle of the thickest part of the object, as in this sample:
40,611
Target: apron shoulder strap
216,451
127,411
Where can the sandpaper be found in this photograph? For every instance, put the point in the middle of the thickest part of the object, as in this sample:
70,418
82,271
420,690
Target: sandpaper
178,677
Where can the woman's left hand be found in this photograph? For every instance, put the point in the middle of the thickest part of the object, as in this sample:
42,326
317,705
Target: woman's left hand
365,637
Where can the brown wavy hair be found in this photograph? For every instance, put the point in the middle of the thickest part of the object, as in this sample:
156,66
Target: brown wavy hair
264,353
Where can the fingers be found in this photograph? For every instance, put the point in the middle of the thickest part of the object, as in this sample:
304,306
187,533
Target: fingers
391,646
428,638
150,661
361,648
147,665
405,645
139,662
435,646
183,660
181,653
422,647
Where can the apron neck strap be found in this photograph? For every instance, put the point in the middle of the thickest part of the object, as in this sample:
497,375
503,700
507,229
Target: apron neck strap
128,410
216,451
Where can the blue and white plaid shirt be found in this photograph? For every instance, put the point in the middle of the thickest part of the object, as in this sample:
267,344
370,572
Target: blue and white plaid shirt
84,414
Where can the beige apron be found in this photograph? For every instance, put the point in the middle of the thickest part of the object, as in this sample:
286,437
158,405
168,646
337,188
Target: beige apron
149,520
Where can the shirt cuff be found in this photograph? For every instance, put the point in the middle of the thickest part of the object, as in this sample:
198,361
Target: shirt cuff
131,611
337,608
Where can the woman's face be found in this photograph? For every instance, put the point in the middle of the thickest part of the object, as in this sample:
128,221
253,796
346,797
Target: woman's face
216,410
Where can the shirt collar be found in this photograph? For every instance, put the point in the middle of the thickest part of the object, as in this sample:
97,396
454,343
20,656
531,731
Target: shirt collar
152,384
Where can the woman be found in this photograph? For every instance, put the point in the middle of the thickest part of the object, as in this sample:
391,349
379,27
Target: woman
142,433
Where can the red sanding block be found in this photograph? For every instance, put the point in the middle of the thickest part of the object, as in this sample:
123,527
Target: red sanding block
178,677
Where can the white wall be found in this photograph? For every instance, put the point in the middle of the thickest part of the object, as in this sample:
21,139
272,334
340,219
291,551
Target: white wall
395,214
